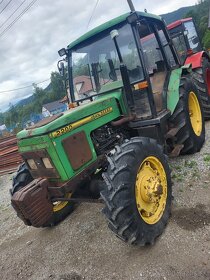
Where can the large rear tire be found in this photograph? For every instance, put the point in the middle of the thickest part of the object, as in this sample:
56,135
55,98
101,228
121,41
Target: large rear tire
201,77
60,209
138,191
188,118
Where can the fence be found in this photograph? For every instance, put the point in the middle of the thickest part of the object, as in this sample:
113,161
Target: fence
9,155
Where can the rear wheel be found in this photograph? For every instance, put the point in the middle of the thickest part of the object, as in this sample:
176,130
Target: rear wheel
201,77
138,191
60,209
188,118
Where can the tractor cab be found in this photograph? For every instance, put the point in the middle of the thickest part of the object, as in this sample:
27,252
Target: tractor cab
185,38
131,54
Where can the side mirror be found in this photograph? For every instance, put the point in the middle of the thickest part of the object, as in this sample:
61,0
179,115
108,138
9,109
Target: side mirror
61,68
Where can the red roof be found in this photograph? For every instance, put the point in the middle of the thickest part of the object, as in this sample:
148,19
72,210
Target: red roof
86,84
64,99
177,23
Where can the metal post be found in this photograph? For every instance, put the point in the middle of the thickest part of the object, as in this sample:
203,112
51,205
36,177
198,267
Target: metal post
130,3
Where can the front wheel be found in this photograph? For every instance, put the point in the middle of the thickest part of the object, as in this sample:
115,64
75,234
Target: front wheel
138,191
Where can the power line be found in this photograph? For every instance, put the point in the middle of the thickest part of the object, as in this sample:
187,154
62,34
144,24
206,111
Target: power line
17,18
92,13
12,13
10,90
5,6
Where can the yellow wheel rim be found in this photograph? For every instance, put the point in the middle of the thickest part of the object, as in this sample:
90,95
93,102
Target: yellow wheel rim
151,190
195,113
57,206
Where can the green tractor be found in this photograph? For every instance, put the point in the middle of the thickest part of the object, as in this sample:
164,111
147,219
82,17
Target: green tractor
131,103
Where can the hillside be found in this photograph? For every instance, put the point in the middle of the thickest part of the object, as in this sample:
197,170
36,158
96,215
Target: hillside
25,101
178,14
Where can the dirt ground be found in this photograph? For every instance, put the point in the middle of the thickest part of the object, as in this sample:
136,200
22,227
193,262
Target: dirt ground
82,247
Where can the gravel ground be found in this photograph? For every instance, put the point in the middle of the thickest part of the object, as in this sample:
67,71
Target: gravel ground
83,248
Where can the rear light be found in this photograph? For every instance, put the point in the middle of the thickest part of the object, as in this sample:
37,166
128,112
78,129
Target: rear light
47,162
32,164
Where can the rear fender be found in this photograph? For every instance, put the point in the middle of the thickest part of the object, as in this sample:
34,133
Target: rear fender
196,59
173,86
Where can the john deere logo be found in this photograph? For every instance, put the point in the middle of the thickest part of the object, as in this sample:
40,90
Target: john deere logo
79,123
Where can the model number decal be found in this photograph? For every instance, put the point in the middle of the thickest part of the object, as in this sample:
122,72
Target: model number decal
86,120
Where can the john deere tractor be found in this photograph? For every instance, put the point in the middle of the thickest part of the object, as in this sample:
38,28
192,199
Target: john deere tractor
130,104
187,43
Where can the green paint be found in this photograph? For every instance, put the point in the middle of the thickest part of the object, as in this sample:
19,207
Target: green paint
33,144
111,86
74,115
108,25
173,87
54,146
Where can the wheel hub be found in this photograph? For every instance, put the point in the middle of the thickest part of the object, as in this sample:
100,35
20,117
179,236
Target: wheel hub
151,190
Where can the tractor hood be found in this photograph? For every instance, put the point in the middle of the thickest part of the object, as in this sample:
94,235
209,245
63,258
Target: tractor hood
72,116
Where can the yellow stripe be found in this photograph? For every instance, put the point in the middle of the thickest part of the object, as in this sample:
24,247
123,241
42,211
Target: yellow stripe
75,125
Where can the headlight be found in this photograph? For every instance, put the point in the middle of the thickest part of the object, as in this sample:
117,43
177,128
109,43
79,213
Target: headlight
32,164
47,162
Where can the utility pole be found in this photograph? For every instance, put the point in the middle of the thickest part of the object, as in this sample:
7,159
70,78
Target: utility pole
130,3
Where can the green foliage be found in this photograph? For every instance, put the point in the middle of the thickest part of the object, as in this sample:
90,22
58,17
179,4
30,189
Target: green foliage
206,40
207,159
190,163
79,69
176,15
17,115
57,85
200,15
1,118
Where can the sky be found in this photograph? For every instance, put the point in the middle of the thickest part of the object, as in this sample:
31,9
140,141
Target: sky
29,48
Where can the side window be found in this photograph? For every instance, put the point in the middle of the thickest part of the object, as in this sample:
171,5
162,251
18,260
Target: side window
181,48
155,63
152,53
166,46
130,54
192,36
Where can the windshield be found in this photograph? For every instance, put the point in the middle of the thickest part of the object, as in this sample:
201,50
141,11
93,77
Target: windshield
95,66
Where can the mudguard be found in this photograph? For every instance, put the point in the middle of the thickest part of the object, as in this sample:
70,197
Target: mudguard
173,86
196,59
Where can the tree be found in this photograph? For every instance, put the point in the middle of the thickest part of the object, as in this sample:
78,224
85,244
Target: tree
200,16
57,86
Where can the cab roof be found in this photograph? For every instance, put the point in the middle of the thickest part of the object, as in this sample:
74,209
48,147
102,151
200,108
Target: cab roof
177,23
108,25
